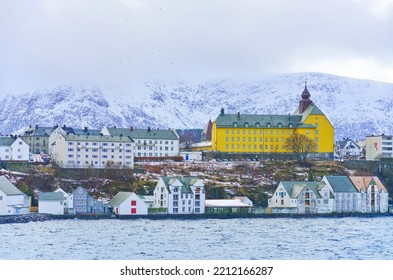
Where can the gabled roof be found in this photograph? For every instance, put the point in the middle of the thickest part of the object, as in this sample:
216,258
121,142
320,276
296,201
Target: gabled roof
8,188
6,140
51,196
119,198
40,131
144,133
228,120
186,182
341,184
294,188
363,182
82,131
343,143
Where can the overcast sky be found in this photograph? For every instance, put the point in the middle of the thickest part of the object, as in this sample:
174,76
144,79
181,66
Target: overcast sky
114,42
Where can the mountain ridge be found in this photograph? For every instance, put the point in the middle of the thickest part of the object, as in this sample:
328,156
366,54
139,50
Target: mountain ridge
356,108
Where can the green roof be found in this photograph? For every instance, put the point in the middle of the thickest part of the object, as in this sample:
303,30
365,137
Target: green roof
6,140
119,198
341,184
51,196
294,188
185,181
97,138
144,133
7,187
264,121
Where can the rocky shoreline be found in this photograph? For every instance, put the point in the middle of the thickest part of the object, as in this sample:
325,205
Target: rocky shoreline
25,218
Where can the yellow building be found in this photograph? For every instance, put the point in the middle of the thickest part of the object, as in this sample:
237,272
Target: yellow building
268,134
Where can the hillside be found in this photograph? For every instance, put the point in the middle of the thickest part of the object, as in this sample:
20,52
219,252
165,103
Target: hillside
256,180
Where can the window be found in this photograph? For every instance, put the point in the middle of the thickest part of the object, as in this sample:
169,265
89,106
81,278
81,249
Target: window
133,210
1,197
133,202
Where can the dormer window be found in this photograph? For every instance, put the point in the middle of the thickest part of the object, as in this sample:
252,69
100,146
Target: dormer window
257,124
269,125
279,125
235,124
290,125
246,124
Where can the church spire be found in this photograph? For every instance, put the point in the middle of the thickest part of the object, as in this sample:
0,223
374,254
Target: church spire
306,101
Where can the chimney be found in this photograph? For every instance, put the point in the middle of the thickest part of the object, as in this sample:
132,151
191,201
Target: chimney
85,128
131,128
238,115
148,129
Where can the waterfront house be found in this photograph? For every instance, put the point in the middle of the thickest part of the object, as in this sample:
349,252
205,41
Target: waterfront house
86,204
346,196
12,200
302,198
68,202
180,195
51,203
128,203
13,148
372,193
235,205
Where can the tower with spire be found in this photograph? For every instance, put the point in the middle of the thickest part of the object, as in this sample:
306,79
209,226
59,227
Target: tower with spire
305,101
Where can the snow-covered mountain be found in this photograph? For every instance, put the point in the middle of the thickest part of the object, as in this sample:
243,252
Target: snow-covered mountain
355,107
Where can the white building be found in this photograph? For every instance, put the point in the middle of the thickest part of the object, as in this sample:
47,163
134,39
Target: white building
180,195
13,148
68,200
372,193
51,203
95,151
239,204
149,143
12,200
191,156
347,149
346,196
37,138
302,198
128,203
379,146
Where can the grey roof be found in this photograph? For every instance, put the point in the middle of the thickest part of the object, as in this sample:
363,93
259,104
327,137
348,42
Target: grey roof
341,184
294,188
247,120
144,133
97,138
186,182
6,140
8,188
342,143
51,196
40,131
82,131
119,198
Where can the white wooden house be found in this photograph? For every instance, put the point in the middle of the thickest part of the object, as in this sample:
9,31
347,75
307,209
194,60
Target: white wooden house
180,195
13,148
128,203
51,203
12,200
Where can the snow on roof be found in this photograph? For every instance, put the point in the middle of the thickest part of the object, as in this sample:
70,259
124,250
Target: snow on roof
225,203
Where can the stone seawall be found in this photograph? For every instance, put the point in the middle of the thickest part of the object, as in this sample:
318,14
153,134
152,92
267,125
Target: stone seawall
25,218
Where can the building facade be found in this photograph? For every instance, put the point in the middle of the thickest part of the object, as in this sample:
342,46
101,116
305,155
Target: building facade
128,203
149,143
83,203
302,198
13,148
269,134
95,151
379,146
12,200
51,203
347,149
37,138
180,195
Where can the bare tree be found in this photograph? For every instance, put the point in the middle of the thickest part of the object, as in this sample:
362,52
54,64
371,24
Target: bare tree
300,145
